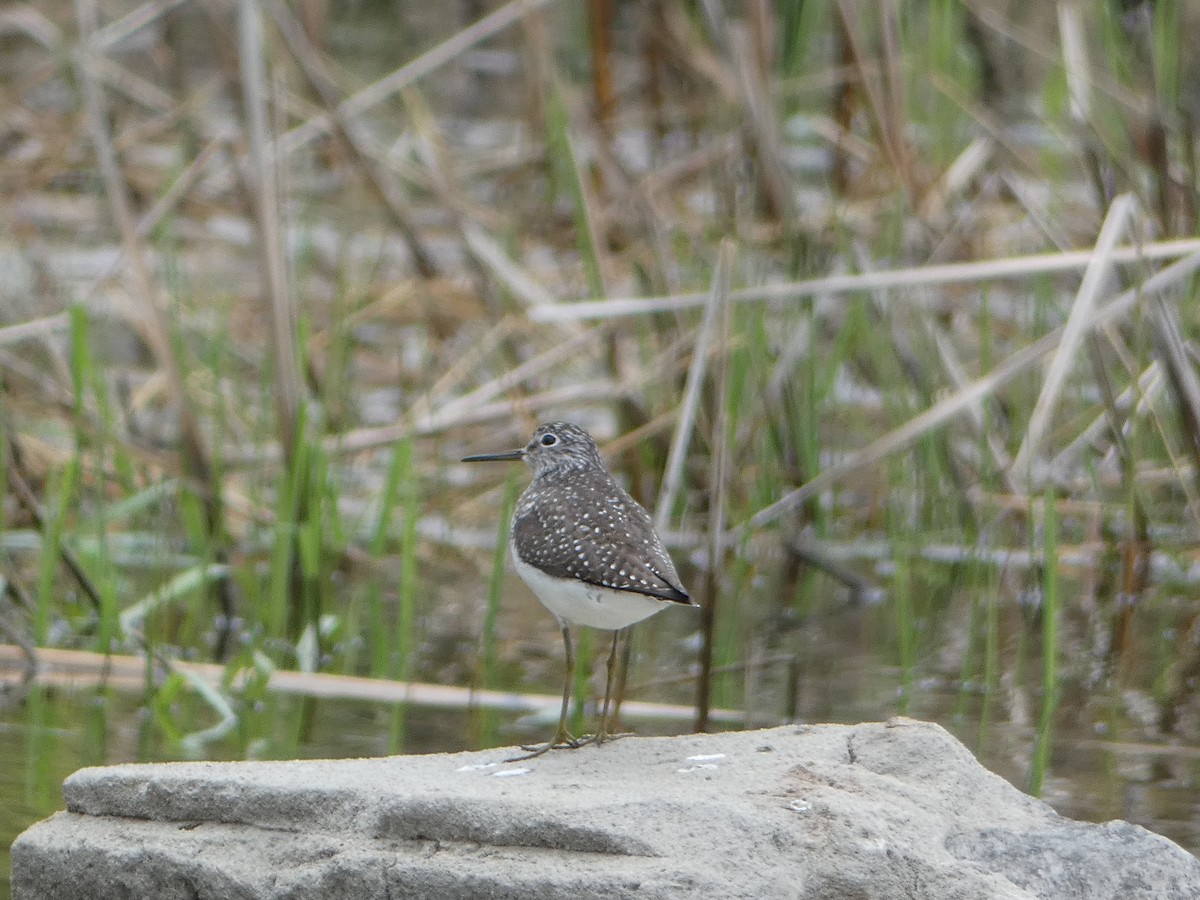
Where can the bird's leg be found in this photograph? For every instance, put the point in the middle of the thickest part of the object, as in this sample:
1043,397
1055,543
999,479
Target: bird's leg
615,680
561,735
622,674
612,681
602,733
562,738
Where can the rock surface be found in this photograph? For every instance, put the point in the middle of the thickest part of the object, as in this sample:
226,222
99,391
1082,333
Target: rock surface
869,811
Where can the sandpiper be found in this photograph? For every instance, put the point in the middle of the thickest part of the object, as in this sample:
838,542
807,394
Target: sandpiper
587,550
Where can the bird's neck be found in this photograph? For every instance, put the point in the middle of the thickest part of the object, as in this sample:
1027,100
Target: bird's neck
567,469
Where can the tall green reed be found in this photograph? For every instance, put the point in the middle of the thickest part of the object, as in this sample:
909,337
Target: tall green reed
486,722
1050,611
402,660
377,624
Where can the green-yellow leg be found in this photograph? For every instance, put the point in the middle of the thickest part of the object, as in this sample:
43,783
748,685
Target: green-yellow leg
606,724
562,738
605,732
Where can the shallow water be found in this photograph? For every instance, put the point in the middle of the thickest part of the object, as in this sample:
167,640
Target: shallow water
1106,759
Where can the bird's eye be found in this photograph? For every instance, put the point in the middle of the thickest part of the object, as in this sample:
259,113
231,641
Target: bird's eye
549,440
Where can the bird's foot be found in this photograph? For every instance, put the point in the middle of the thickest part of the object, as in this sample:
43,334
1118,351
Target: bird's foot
602,735
563,740
606,735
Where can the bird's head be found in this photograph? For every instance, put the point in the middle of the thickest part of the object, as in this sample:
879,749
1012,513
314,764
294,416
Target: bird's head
554,446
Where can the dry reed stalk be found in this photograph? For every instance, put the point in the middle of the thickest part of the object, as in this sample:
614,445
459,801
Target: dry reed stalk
152,325
1136,548
691,54
624,192
843,104
78,669
438,420
34,328
377,179
895,122
1077,68
1005,268
565,351
958,176
764,27
465,365
589,211
718,486
595,391
1036,44
1173,357
433,413
1014,365
453,199
1079,322
1082,555
958,378
118,30
289,391
1113,411
673,474
989,123
166,203
762,126
17,638
600,35
18,480
1075,62
883,85
122,81
24,19
519,282
648,430
719,150
410,73
1134,401
1191,176
183,184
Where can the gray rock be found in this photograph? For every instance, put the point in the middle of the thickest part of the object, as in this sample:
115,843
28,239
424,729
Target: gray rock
869,811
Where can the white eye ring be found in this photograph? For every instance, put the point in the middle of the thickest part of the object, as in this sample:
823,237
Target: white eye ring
549,440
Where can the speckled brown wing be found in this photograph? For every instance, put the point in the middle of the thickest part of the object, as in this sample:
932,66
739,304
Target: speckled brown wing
590,529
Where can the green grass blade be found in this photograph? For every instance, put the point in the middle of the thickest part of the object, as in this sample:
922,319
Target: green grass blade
1050,605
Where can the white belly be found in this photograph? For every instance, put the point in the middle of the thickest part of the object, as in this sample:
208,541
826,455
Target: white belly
587,604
